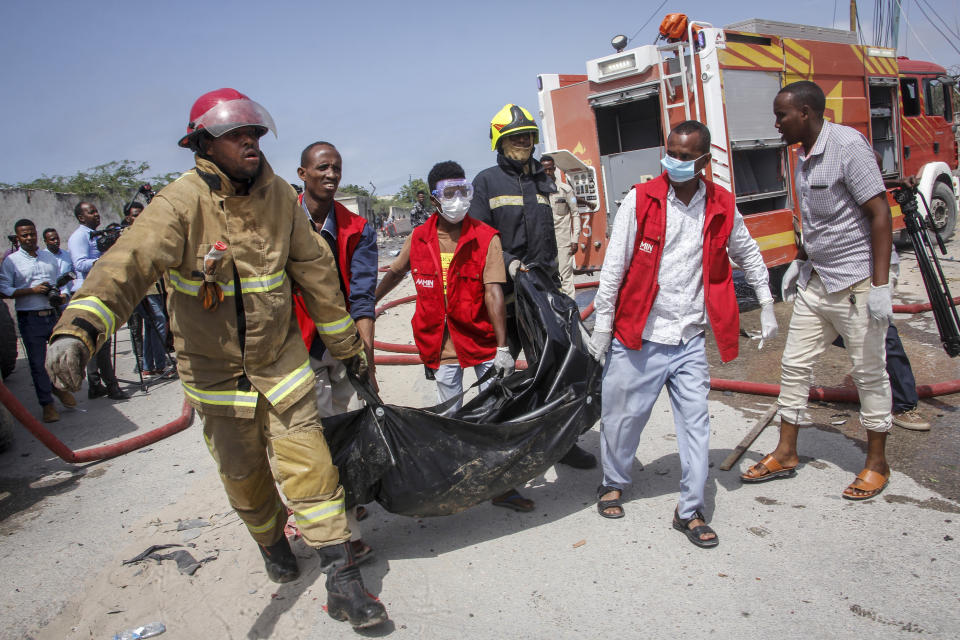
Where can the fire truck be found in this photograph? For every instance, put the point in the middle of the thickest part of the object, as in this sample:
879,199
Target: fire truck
610,125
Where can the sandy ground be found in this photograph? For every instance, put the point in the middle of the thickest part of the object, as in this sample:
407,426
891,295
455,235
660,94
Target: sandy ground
794,560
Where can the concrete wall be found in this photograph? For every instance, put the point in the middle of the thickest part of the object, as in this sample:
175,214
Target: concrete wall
46,209
360,205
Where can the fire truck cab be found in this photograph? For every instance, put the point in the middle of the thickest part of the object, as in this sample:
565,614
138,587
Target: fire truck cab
616,117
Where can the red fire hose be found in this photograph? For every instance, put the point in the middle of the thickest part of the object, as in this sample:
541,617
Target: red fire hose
826,394
67,454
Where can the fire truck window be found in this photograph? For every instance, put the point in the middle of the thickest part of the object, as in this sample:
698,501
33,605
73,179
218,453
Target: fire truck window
911,98
630,126
947,103
933,98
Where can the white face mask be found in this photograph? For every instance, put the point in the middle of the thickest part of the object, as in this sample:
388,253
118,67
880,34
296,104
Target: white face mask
454,210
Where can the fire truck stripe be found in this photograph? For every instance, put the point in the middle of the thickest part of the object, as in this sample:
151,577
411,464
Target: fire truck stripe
757,55
775,240
732,60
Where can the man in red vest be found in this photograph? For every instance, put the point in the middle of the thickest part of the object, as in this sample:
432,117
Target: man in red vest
353,243
665,277
458,269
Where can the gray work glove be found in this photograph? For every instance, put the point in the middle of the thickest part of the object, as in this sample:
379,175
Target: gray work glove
66,359
503,362
515,266
357,365
788,286
599,344
880,305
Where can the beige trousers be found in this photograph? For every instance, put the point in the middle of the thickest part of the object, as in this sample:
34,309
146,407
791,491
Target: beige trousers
565,267
818,318
289,449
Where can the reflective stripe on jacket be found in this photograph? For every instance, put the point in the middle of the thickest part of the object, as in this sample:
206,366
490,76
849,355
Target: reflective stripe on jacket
270,247
639,287
462,310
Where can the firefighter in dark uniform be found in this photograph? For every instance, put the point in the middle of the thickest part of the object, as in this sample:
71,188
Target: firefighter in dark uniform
514,198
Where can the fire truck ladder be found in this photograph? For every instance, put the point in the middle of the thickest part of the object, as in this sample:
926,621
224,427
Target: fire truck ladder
667,88
667,80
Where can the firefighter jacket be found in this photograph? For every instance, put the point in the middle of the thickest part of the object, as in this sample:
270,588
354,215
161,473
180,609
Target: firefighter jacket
517,204
250,344
461,309
639,287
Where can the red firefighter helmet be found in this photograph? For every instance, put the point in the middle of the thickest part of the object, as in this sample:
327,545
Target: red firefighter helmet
223,110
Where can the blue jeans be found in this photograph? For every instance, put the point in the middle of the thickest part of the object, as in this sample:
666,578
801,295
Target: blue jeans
150,310
632,381
35,332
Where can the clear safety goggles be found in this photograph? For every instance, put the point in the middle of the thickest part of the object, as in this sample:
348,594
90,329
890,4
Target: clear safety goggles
233,114
449,189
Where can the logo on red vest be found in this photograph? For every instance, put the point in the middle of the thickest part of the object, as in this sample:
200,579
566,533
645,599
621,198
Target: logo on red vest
646,247
424,282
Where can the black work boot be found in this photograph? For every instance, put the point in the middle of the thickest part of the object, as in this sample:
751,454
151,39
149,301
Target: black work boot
279,561
96,390
347,598
114,392
578,458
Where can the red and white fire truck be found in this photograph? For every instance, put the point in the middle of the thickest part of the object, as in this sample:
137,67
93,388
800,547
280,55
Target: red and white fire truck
610,125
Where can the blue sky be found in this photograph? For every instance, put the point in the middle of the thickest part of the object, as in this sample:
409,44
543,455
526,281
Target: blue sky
396,86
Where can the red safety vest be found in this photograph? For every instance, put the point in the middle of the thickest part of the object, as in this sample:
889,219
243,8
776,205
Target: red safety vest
349,229
639,287
463,311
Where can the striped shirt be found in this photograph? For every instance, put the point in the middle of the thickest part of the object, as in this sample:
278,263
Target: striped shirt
838,175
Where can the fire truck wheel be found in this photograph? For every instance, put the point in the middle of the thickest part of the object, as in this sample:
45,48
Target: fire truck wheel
943,209
8,341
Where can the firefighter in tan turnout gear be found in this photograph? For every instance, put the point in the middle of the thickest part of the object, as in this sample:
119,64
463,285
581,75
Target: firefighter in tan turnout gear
229,239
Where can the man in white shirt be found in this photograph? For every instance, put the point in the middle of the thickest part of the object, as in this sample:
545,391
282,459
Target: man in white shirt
667,275
29,276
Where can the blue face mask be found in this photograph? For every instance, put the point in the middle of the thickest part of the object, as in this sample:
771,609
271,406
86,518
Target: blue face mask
680,170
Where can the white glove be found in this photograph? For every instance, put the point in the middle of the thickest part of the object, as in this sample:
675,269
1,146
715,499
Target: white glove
599,344
768,322
503,362
514,266
788,286
66,359
880,305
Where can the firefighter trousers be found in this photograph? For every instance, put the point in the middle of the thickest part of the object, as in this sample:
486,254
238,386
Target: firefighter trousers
254,455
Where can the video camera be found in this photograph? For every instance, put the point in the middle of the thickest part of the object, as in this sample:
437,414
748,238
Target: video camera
147,192
107,236
54,294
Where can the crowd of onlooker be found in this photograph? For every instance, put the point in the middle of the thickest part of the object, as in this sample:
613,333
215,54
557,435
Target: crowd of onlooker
42,279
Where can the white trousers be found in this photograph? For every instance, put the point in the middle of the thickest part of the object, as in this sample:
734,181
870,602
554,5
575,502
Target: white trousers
449,378
818,318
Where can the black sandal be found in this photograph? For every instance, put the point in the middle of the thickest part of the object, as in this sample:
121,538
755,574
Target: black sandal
603,505
693,535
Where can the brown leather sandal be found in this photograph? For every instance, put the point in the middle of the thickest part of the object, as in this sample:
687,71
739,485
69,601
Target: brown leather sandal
869,482
766,470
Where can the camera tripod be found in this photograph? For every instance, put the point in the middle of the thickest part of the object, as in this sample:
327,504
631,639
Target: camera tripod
941,301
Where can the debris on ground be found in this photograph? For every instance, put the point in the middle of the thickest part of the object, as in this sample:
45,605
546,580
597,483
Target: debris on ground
186,563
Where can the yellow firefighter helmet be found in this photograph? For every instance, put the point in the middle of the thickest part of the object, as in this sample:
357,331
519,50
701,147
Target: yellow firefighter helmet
509,120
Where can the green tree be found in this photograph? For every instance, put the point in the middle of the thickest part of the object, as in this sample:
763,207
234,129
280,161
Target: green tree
353,190
408,192
113,183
